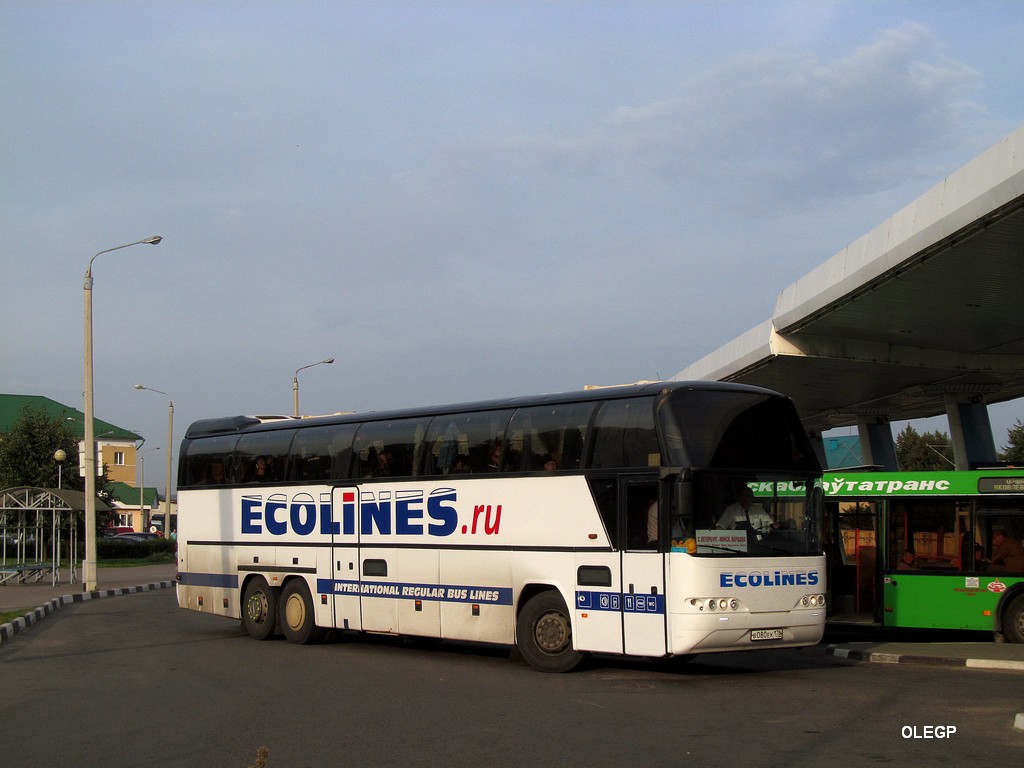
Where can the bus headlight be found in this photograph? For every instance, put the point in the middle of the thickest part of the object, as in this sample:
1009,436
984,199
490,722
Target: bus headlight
715,603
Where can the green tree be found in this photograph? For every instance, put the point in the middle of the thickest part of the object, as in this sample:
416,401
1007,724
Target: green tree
927,451
1013,451
26,452
26,455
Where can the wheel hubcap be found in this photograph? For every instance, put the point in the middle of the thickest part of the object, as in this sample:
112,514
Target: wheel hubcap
295,612
552,632
257,608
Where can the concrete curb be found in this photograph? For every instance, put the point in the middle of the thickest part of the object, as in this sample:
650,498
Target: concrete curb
936,661
9,630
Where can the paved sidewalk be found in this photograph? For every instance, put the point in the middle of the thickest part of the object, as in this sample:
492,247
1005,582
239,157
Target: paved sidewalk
40,599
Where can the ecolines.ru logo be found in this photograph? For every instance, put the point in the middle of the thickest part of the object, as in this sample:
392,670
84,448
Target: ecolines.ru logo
404,513
769,579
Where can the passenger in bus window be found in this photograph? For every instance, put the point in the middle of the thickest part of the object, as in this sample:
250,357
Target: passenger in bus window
980,561
261,473
1007,553
908,561
461,466
383,464
495,462
652,523
548,463
215,473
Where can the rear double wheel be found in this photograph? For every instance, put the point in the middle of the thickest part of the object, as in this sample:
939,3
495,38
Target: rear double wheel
297,618
259,608
544,634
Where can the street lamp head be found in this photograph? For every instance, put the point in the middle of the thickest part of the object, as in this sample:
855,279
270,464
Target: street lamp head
152,240
139,386
60,455
329,360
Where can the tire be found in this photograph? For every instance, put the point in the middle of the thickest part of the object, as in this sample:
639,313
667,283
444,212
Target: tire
1013,620
259,608
544,634
297,619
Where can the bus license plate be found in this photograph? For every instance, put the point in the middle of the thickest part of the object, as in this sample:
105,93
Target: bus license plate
766,634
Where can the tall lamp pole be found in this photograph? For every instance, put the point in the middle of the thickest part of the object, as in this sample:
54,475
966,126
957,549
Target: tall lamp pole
295,383
89,462
170,455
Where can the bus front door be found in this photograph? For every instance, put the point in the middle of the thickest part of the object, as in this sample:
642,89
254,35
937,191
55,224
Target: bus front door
345,581
643,569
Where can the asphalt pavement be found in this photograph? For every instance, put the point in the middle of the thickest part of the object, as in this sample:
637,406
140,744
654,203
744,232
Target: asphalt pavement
40,600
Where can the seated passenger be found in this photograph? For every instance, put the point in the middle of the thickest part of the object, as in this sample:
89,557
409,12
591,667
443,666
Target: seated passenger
261,472
214,473
1007,553
908,561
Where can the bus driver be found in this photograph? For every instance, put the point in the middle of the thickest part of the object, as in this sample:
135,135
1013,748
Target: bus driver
744,511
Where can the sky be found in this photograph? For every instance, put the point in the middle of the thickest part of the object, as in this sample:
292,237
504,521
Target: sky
455,200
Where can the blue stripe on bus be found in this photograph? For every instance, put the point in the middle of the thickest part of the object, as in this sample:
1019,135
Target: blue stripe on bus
616,601
449,593
192,579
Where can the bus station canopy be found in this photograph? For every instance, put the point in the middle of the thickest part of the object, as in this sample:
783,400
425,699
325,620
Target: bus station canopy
925,310
59,499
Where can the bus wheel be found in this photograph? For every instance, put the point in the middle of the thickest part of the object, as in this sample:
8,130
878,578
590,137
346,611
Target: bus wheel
544,634
259,608
297,619
1013,620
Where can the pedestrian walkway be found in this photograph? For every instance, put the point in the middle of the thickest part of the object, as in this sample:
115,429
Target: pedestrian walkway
39,600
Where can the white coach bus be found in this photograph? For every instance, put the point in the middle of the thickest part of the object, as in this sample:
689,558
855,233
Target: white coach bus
585,522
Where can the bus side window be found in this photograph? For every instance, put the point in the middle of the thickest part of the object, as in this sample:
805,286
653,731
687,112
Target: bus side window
469,440
200,456
624,434
550,437
388,448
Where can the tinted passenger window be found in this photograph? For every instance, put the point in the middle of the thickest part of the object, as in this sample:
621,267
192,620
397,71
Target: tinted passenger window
322,453
389,448
624,435
549,437
463,443
209,461
262,457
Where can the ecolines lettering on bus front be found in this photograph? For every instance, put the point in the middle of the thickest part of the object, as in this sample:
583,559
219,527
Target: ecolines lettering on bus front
769,579
376,512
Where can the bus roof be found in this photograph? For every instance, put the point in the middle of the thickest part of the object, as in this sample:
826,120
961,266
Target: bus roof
229,424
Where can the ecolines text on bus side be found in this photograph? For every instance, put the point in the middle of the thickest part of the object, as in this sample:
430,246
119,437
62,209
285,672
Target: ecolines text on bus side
403,512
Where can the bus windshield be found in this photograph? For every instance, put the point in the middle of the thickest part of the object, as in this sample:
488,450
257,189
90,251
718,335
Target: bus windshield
755,516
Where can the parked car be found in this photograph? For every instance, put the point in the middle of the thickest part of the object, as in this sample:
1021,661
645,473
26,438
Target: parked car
118,530
139,536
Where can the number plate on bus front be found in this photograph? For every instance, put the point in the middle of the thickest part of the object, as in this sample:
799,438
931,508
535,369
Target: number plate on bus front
766,634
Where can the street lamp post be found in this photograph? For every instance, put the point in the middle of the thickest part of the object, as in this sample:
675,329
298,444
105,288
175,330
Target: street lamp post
59,456
295,383
89,461
170,455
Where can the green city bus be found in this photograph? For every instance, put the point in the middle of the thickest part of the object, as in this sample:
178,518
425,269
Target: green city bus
939,550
